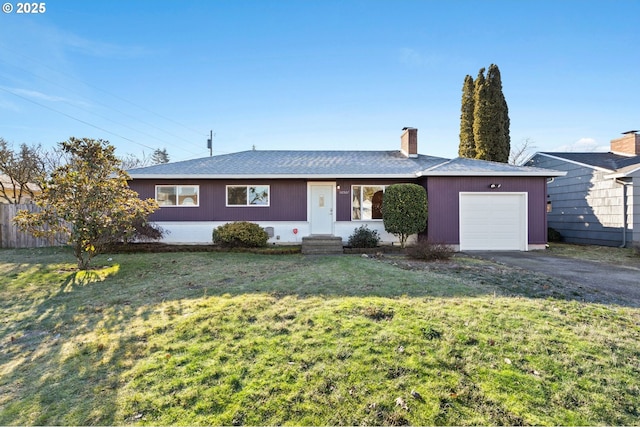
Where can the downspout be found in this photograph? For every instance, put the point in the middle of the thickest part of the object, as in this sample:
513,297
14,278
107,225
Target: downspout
624,212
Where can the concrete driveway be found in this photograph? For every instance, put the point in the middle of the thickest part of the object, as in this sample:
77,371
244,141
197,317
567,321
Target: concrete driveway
619,280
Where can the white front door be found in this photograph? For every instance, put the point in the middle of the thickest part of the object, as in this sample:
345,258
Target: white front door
321,208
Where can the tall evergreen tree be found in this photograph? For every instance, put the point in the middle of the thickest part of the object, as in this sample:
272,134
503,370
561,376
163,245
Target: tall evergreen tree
481,116
501,145
467,147
491,117
506,123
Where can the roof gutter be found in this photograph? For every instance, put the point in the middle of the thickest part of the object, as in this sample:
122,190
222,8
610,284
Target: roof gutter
273,176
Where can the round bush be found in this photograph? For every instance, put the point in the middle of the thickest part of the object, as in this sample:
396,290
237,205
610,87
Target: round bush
240,234
363,237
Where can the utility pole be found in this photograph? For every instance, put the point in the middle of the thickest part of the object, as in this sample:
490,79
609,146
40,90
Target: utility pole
210,144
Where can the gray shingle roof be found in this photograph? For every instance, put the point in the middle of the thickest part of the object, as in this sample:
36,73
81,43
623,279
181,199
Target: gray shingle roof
293,164
610,161
327,164
472,167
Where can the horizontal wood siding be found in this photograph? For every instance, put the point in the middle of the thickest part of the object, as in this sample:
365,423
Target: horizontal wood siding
587,207
444,209
288,201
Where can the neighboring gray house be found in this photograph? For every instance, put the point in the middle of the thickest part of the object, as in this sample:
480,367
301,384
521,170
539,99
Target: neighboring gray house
598,201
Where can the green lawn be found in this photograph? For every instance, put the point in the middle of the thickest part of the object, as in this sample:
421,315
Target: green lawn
228,338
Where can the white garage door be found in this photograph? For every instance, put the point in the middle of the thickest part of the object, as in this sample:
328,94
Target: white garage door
493,221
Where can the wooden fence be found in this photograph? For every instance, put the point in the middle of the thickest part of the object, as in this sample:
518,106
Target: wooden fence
12,237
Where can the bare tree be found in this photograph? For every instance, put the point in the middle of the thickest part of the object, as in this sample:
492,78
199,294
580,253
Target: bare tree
131,161
22,172
521,152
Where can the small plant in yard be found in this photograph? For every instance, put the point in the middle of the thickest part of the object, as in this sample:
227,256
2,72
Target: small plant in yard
430,251
240,234
364,237
553,235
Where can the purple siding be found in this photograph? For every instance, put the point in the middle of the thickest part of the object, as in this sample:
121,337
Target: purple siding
444,212
288,201
343,196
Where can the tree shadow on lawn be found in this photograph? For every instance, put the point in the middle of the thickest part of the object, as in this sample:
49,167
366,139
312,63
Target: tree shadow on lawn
59,362
72,340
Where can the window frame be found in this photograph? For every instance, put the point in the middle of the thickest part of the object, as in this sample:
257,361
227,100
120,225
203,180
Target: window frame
361,202
177,188
247,204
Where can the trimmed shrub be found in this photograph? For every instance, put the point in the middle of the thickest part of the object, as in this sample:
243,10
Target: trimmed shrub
404,210
240,234
363,237
553,235
430,251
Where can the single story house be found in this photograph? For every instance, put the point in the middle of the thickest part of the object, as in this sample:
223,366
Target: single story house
598,200
473,204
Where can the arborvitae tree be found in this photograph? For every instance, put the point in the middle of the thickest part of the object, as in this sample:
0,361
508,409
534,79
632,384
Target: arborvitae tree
506,123
467,147
482,117
490,118
501,145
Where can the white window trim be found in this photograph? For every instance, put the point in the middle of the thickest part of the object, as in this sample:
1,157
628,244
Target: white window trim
384,188
247,205
177,187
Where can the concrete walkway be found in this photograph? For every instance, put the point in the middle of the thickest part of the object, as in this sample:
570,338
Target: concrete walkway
620,280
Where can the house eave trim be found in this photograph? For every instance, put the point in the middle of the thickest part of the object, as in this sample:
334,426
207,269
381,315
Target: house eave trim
549,173
275,176
626,174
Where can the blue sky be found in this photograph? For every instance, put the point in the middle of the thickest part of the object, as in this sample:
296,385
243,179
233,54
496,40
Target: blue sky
344,75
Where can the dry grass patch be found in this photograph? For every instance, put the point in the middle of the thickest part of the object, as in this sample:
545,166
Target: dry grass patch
607,254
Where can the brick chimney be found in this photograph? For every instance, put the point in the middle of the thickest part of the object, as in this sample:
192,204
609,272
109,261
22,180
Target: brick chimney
409,142
628,144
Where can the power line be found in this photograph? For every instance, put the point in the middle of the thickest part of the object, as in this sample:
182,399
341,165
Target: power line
76,119
106,92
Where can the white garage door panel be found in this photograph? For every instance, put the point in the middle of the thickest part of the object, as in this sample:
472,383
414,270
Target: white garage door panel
493,221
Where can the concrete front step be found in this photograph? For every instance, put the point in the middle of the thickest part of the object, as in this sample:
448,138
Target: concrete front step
321,245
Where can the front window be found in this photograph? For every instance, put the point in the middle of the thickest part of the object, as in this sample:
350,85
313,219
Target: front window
177,195
367,202
248,195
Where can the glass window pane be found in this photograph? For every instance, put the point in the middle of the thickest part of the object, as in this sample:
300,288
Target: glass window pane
188,195
259,195
166,196
376,205
355,203
237,195
371,208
